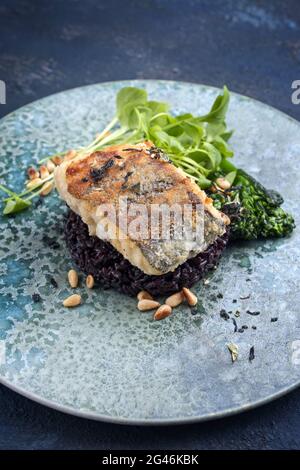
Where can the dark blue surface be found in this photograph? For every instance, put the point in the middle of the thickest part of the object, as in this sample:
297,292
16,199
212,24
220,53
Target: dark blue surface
253,47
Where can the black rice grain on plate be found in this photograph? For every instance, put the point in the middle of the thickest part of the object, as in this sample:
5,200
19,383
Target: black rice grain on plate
235,325
36,298
53,282
253,313
224,314
251,354
110,269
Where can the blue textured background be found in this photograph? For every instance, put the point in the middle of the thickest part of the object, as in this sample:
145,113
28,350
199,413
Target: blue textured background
253,47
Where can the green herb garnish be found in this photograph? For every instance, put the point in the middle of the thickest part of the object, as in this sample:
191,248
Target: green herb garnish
14,203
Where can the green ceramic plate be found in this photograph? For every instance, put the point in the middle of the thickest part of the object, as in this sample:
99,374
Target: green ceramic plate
104,359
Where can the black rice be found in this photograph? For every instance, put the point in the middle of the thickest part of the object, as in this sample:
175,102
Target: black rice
110,269
36,298
251,354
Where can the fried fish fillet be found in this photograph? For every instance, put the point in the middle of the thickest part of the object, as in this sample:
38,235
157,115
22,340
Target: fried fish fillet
142,175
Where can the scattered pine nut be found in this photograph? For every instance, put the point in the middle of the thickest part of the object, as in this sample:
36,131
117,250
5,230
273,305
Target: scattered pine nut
44,172
72,301
70,155
223,183
144,295
32,173
57,159
234,351
73,278
162,312
175,299
90,281
213,188
225,218
32,184
206,282
147,304
50,165
190,297
47,188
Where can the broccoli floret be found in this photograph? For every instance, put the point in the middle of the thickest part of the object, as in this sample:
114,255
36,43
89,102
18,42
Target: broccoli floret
255,211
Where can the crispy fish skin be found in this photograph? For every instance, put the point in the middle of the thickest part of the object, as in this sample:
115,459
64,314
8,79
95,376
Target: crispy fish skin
144,175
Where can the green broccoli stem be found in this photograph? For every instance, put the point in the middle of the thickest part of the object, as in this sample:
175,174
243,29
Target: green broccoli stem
259,215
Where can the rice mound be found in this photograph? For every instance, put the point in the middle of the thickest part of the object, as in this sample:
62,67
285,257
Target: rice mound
110,269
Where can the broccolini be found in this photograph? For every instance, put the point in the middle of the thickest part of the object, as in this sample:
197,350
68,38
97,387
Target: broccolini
255,211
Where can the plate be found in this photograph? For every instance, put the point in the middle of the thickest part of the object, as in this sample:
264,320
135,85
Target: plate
105,360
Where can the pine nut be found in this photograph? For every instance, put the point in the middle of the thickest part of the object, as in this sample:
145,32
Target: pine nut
32,184
32,173
47,188
70,155
90,281
175,299
223,183
50,165
73,278
190,297
57,159
146,304
234,351
72,301
44,172
162,312
225,218
144,295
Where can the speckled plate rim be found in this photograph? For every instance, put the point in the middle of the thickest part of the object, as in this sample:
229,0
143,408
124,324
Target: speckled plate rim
147,422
